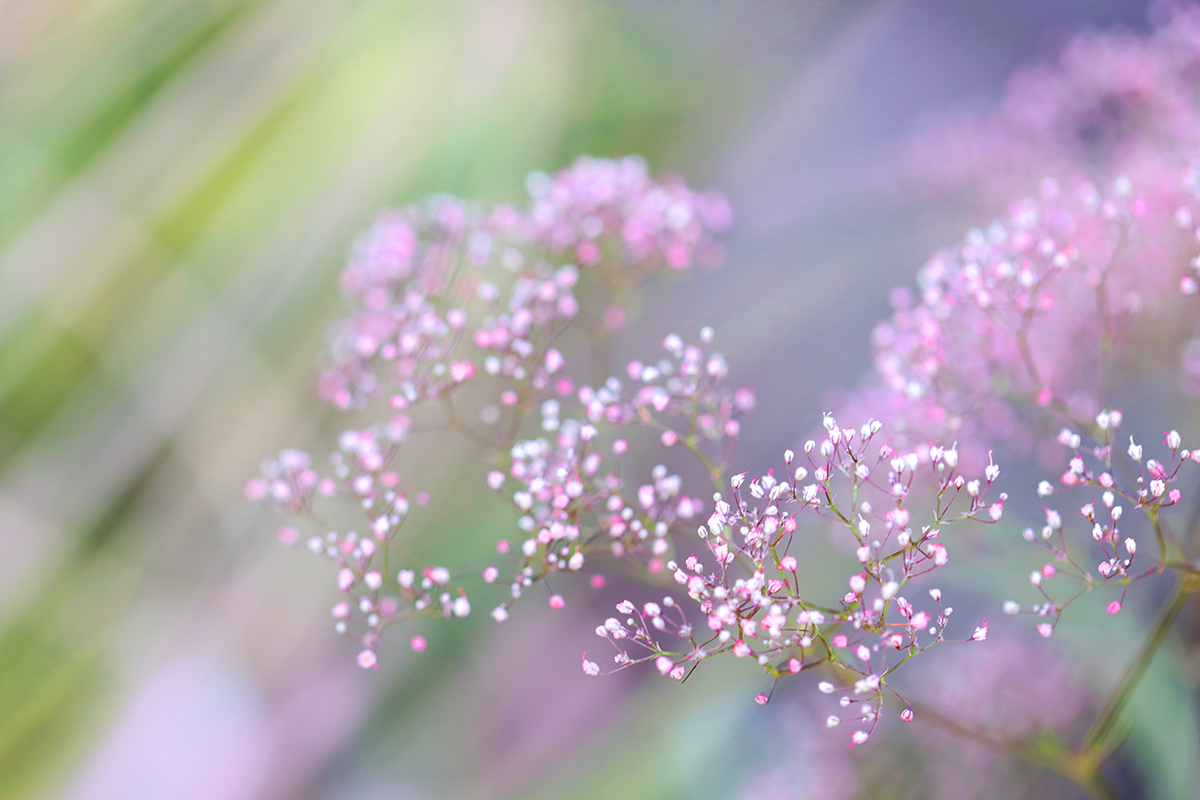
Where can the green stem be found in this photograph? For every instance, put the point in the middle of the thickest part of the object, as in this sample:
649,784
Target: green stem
1158,534
1098,786
1096,745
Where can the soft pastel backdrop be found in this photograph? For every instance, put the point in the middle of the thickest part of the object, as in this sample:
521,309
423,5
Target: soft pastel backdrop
179,180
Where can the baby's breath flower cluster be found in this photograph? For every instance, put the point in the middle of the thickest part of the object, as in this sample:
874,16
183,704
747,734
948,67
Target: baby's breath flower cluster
1039,321
1150,489
373,597
427,281
1027,317
748,585
581,508
492,324
457,307
1027,325
451,301
1034,315
573,502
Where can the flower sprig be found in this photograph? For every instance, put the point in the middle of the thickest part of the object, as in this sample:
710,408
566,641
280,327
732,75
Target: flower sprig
747,586
362,479
1147,486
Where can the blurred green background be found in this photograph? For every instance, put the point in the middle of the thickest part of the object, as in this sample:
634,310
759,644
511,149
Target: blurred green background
179,181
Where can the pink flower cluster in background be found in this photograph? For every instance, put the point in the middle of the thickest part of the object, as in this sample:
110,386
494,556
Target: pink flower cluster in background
1039,320
425,274
451,301
1118,111
1112,103
1028,318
